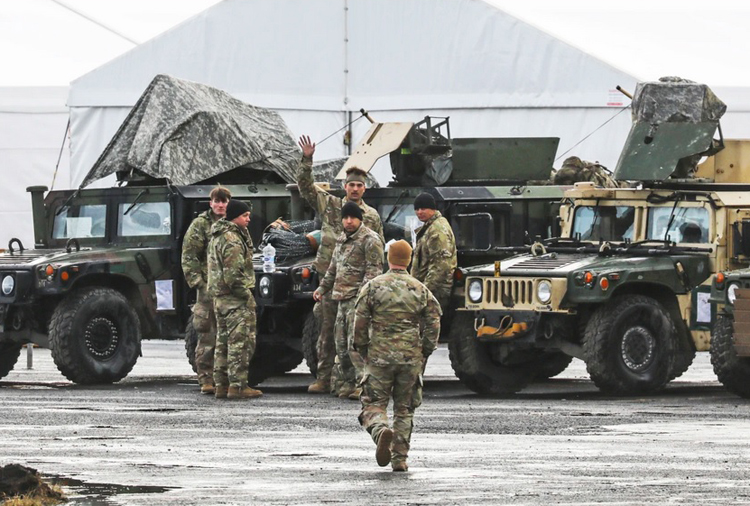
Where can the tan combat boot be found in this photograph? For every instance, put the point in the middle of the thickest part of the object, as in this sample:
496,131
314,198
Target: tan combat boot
208,389
355,395
319,387
346,390
221,391
243,393
383,451
400,466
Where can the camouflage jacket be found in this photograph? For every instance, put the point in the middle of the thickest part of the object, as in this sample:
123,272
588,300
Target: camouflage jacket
194,246
397,320
434,257
356,260
231,277
328,208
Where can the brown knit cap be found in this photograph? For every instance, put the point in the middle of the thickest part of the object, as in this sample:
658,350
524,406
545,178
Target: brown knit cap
399,253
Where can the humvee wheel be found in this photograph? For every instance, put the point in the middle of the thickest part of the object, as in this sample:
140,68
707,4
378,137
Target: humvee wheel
473,362
95,336
191,343
270,361
9,353
310,333
551,364
732,371
629,346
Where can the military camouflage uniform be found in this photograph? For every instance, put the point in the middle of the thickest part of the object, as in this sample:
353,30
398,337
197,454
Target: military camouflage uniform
194,265
231,280
357,259
434,257
574,170
328,208
396,327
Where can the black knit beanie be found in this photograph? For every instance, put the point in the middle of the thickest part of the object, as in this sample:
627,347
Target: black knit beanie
236,208
351,209
424,201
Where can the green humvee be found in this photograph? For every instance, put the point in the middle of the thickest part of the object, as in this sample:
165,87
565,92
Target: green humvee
626,287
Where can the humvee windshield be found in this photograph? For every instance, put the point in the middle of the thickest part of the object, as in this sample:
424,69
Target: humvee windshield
688,225
80,221
606,223
401,221
148,218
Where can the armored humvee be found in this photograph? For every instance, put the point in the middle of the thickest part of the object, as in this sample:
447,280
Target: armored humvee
626,286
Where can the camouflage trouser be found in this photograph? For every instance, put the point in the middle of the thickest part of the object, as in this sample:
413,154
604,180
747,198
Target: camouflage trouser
350,361
204,323
404,383
443,296
235,342
326,347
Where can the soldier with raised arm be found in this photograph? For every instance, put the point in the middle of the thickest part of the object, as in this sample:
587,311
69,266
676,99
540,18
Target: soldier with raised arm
358,258
396,328
194,266
328,208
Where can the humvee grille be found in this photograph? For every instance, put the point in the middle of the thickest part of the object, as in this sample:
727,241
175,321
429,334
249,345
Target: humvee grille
544,263
508,292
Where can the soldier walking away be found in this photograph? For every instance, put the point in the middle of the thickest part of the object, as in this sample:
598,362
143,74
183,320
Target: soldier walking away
357,259
328,208
231,281
194,265
396,328
434,259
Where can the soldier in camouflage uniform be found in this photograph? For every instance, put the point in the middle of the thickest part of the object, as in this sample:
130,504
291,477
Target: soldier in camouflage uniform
231,280
358,258
434,259
574,170
328,208
194,265
396,327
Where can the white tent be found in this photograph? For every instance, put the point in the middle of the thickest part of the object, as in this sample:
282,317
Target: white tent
33,124
319,61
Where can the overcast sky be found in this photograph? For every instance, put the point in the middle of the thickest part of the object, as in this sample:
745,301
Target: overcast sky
52,42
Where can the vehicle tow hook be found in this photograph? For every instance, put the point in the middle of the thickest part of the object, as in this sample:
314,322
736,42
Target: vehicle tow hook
506,330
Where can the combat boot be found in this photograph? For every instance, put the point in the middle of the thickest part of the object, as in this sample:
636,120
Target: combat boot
383,451
221,391
346,390
355,395
208,389
400,466
243,393
319,387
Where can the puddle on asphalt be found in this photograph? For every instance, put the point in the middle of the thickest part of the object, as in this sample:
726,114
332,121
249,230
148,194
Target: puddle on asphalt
99,494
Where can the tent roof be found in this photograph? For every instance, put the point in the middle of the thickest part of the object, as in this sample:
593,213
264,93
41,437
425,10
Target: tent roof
256,50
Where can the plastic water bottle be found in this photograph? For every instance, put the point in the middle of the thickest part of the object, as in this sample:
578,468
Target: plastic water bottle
269,258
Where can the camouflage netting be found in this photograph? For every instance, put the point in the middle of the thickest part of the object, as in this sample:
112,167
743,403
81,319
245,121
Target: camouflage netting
188,132
675,100
292,242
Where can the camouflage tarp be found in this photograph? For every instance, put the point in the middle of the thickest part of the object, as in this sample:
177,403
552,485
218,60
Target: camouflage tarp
188,132
675,100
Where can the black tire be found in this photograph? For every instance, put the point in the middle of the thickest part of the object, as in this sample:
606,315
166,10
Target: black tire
629,346
551,364
270,361
472,361
95,336
732,371
310,333
9,353
191,343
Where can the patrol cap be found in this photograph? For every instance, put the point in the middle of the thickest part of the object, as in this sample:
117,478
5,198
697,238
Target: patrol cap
351,209
399,253
236,208
424,201
355,174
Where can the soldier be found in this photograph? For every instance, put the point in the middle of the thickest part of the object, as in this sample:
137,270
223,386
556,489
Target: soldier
328,208
358,258
231,281
396,328
574,170
434,259
194,266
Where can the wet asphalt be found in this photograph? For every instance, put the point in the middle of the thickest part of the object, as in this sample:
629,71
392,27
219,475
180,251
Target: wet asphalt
152,439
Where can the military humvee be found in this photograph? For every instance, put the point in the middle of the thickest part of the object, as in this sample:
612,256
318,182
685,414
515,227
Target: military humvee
494,192
626,286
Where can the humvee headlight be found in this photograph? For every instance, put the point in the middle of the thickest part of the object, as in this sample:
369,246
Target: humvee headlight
544,292
475,290
9,283
731,292
264,285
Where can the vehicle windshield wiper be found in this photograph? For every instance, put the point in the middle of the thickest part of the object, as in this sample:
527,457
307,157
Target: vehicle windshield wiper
396,206
66,204
137,198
